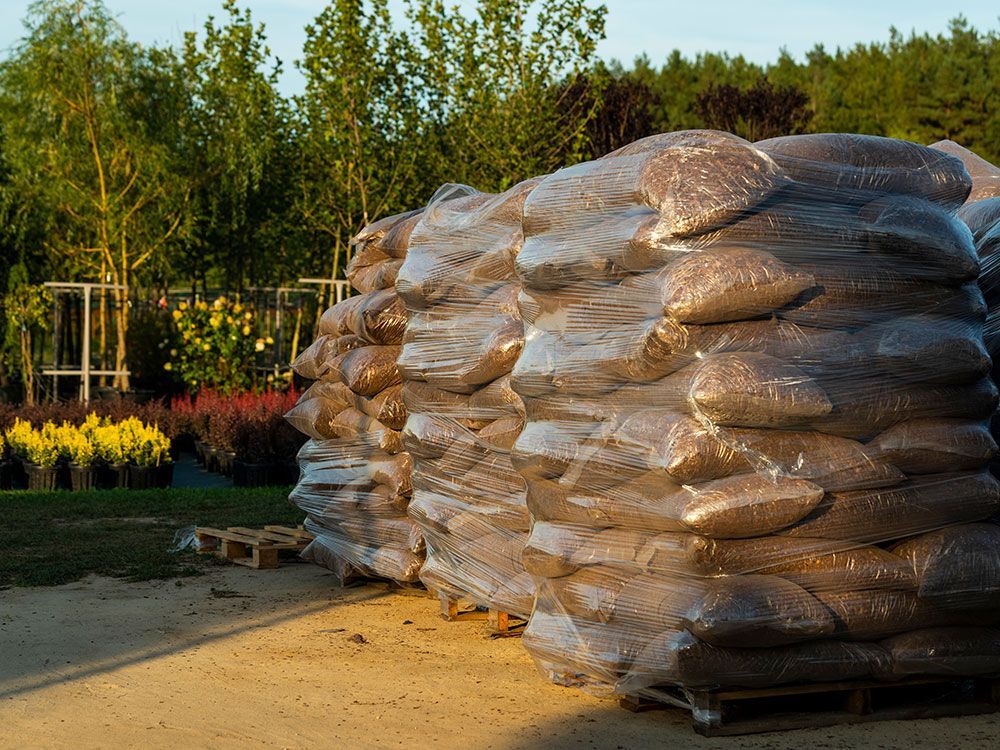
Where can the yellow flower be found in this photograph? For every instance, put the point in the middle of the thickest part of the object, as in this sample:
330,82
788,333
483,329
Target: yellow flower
247,315
173,352
229,319
269,341
177,314
206,347
168,367
182,306
237,308
246,330
215,321
259,345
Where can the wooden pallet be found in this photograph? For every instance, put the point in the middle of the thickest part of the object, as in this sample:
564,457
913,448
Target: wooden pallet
500,624
735,712
255,548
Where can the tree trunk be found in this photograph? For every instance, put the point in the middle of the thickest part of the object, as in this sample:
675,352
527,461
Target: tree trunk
27,368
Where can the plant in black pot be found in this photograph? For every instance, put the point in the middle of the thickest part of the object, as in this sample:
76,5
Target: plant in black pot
112,470
149,457
80,447
221,429
42,458
6,466
252,446
17,437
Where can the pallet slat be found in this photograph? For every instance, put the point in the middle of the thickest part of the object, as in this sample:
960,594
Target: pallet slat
500,624
738,712
253,548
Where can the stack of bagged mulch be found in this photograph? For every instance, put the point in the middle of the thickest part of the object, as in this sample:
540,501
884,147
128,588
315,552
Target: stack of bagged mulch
462,339
756,399
981,213
355,482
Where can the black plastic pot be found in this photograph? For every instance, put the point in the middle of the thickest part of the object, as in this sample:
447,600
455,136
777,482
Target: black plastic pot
165,475
251,475
212,458
42,478
18,476
143,477
63,481
112,476
200,452
82,478
6,474
285,472
226,459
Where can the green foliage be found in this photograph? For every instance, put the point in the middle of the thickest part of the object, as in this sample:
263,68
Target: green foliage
158,167
236,125
759,112
215,346
26,307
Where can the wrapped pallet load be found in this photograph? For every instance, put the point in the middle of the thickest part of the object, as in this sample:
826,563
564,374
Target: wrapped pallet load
355,482
462,339
756,402
981,213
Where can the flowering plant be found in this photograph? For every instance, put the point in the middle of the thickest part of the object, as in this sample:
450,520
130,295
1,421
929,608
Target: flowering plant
215,345
95,439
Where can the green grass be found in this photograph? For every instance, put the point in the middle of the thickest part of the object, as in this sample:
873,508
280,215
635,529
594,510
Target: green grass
49,538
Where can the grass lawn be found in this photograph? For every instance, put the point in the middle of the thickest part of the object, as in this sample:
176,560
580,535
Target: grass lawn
48,538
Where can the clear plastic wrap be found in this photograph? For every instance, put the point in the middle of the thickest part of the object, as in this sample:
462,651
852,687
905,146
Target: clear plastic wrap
756,402
356,479
981,213
463,337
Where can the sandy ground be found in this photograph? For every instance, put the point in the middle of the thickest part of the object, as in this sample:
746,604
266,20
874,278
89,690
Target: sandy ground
241,658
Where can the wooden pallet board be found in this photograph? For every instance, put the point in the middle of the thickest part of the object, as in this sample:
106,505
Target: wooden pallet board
499,623
735,712
254,548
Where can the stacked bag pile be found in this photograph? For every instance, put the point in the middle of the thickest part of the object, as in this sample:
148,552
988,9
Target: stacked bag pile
463,337
355,478
981,213
757,401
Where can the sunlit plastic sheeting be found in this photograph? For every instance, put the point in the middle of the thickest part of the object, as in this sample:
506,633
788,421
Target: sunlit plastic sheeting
757,400
463,336
356,479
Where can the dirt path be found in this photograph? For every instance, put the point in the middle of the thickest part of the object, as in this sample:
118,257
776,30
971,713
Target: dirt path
238,659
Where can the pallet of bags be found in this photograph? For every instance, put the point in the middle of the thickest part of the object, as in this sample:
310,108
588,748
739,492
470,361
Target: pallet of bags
981,213
356,482
756,416
463,335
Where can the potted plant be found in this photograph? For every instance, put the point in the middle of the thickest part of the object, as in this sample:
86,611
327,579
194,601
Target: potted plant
109,450
252,462
17,438
150,465
6,470
42,454
80,448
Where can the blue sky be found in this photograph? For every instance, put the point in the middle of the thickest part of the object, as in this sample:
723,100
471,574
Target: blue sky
755,29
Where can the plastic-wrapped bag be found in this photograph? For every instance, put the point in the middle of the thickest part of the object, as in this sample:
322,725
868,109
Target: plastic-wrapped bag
462,340
756,398
356,480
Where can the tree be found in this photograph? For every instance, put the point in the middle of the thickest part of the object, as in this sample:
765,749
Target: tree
235,126
508,88
623,107
79,112
26,307
358,117
759,112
